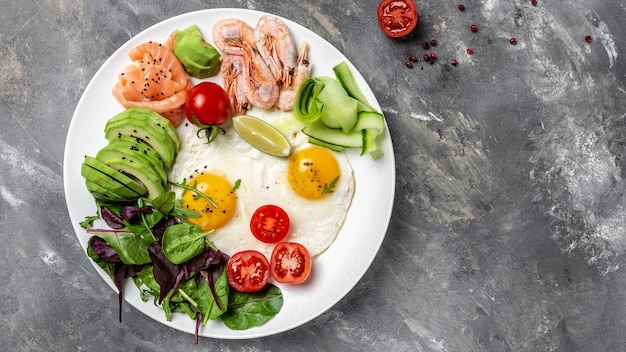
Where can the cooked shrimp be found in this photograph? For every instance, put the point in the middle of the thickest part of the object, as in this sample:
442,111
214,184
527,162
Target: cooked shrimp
230,35
231,71
156,80
258,82
277,47
303,72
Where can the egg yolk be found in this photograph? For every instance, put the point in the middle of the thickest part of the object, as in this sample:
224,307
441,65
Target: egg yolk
313,172
212,216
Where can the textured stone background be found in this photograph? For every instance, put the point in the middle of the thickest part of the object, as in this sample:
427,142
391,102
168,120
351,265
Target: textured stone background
508,227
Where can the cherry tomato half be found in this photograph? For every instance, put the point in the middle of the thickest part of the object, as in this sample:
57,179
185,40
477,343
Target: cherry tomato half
248,271
209,103
269,224
290,263
397,18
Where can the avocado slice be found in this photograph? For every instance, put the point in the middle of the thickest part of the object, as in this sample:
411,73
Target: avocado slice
116,175
105,181
102,193
149,114
200,59
143,173
135,157
167,126
140,146
149,133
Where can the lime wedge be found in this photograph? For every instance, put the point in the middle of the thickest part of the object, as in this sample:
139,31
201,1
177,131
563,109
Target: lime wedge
261,135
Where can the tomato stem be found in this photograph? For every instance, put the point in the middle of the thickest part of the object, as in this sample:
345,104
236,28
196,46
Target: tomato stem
210,132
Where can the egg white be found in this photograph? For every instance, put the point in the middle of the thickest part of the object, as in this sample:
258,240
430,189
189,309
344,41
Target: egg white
314,223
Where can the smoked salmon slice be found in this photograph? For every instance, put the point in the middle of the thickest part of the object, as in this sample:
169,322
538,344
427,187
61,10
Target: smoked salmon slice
155,80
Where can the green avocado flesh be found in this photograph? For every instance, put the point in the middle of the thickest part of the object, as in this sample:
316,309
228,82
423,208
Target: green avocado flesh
142,145
151,117
138,127
117,176
107,182
145,175
138,145
199,58
134,157
99,192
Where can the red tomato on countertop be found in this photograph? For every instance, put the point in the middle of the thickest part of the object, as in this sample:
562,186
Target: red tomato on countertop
248,271
290,263
269,224
397,18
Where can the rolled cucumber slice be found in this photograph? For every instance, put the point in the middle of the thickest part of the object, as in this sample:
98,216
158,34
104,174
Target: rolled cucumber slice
320,132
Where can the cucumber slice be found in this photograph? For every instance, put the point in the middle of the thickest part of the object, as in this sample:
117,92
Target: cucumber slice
346,79
335,148
370,146
306,108
320,132
371,120
373,125
339,109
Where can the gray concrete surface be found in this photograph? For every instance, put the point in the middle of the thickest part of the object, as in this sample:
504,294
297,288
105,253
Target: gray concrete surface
508,226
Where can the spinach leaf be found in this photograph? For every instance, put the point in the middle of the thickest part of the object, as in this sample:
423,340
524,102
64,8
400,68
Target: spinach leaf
165,272
246,310
207,305
108,267
185,291
132,249
184,307
146,283
165,202
182,242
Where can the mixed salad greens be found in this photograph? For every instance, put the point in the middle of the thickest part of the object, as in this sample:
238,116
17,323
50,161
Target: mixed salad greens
172,261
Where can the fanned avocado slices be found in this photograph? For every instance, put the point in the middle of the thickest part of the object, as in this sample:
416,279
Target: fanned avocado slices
142,145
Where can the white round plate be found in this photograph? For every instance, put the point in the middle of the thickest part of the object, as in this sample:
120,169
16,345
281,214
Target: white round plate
336,271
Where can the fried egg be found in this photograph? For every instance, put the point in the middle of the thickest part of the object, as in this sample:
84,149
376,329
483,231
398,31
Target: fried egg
314,186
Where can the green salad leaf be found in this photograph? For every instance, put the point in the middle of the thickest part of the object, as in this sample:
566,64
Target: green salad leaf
246,310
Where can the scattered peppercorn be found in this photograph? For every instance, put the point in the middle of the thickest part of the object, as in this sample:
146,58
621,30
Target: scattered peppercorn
474,27
433,56
470,51
425,45
513,41
413,58
588,39
408,64
454,62
426,57
461,7
433,42
533,2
